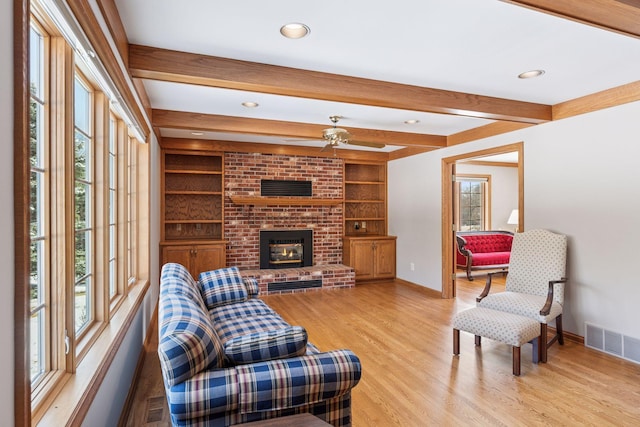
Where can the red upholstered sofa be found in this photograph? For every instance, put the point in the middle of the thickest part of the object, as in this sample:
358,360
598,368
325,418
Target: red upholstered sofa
483,250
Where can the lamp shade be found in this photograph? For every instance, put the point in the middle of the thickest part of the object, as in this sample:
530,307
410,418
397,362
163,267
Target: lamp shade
513,218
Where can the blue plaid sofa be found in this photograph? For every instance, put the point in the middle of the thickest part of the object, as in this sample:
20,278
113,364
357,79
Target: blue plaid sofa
228,358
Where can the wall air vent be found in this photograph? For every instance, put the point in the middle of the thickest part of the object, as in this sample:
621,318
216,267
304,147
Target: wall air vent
612,342
278,187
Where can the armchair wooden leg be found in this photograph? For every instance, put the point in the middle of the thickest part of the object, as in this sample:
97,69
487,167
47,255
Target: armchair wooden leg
516,361
543,342
478,339
456,341
559,330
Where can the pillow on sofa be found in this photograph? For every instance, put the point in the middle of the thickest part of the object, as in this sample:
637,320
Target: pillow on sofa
261,346
188,344
222,286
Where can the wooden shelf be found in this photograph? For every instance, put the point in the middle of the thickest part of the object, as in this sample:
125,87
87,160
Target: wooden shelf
280,201
190,172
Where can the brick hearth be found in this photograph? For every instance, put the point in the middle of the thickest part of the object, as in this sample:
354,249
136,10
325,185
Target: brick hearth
333,277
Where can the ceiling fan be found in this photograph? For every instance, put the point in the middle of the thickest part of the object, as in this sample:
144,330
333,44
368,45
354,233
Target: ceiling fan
336,136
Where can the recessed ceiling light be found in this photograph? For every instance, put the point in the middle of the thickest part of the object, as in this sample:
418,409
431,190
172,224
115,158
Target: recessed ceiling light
294,30
412,121
250,104
530,74
197,133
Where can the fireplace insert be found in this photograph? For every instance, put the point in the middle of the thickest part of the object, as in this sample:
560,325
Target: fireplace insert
286,248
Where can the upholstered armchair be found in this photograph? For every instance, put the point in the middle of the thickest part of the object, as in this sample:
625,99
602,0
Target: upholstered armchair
535,283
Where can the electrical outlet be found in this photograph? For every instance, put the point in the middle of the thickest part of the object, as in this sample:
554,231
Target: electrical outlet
198,226
412,266
364,224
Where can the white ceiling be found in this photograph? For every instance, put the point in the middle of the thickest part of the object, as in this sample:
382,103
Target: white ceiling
471,46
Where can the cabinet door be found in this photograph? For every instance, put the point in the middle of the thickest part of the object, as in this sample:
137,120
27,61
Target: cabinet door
362,259
209,257
177,254
385,258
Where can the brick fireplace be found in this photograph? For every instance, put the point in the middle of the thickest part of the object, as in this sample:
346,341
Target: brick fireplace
243,223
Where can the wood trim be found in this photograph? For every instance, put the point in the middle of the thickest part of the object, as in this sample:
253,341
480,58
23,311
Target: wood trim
249,147
111,15
495,164
284,201
486,131
620,16
597,101
21,174
432,293
181,67
219,123
407,152
448,165
83,12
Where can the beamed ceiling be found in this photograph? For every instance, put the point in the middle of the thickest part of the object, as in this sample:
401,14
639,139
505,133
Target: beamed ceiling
452,65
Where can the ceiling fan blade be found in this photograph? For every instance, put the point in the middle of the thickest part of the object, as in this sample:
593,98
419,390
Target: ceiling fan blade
326,147
366,144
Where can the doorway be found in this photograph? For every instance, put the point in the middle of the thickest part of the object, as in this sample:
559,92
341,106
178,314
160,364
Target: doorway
448,209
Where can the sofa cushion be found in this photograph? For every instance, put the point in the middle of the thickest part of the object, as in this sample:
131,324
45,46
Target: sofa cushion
491,258
249,308
237,327
252,286
175,279
188,344
261,346
222,286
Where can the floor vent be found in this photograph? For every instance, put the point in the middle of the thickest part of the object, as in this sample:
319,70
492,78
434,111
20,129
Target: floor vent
612,342
155,409
292,286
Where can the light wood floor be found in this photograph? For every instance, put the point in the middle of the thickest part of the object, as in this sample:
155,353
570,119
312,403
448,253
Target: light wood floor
403,337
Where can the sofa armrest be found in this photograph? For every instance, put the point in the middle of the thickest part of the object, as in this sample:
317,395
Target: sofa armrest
263,386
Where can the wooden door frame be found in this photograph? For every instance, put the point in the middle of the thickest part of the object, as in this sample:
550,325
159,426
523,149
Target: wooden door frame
448,164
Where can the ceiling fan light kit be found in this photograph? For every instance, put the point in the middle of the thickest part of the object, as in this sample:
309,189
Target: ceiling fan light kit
336,136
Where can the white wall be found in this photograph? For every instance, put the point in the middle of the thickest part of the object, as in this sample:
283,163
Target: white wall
6,213
581,179
504,191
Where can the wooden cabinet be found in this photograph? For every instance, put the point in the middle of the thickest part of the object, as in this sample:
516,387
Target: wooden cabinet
365,194
192,209
372,257
196,257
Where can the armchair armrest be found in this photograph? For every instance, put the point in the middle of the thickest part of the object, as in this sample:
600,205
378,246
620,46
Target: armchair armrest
271,385
546,309
487,286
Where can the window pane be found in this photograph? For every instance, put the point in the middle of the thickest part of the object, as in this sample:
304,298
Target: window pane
82,205
82,108
82,156
82,303
37,344
82,254
36,55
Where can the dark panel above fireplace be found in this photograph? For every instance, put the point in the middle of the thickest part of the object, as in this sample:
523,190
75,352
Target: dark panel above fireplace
279,187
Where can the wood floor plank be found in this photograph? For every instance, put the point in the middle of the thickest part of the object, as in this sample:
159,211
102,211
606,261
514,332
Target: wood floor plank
404,339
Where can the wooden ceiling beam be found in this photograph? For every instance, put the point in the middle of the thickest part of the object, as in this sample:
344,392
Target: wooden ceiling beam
620,16
218,123
288,150
182,67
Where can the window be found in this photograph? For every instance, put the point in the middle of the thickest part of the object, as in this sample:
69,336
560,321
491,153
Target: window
113,209
473,202
83,200
38,201
83,213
